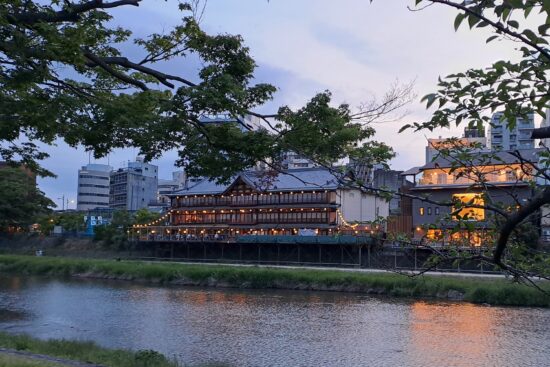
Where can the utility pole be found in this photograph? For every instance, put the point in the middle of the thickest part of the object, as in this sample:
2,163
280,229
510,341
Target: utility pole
63,202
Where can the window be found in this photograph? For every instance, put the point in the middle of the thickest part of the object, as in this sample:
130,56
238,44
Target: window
421,210
462,211
430,211
436,211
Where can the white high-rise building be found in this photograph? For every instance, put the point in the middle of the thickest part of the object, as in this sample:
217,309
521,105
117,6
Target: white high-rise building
519,137
93,187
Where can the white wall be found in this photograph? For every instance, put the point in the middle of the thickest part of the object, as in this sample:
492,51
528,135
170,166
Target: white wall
361,207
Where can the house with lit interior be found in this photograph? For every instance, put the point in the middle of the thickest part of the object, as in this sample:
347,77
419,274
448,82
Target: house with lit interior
498,178
309,201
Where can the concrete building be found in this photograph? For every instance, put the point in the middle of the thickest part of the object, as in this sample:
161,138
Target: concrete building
93,187
291,160
133,187
245,123
519,137
438,180
435,146
167,187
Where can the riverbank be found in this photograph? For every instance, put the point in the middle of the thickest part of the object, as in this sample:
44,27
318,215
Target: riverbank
24,351
475,290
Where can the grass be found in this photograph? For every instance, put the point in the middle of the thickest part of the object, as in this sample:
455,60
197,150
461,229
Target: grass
79,351
476,290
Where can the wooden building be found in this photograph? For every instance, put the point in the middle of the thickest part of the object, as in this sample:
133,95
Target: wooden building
304,202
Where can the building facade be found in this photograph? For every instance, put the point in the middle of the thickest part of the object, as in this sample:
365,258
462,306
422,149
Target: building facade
306,202
519,137
93,187
506,182
133,187
472,141
167,187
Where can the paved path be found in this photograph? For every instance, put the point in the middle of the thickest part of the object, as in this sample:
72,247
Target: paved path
45,358
355,270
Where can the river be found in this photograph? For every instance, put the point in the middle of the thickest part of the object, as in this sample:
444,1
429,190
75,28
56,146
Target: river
275,328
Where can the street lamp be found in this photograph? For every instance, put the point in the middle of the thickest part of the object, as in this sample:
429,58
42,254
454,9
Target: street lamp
62,198
62,202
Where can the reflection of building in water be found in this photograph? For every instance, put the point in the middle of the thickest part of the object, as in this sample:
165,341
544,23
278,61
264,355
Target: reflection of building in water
440,332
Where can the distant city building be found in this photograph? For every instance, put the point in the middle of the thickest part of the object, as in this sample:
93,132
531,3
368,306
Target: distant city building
134,187
470,139
291,160
167,187
519,137
93,187
245,123
546,123
474,131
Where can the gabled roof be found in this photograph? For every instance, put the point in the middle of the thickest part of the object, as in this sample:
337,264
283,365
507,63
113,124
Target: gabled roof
488,158
292,180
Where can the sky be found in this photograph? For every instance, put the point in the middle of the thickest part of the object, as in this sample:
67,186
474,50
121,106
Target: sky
354,48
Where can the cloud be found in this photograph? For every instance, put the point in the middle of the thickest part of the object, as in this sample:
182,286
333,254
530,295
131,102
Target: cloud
355,49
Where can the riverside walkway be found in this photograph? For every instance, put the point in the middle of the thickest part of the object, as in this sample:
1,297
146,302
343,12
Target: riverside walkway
351,270
51,361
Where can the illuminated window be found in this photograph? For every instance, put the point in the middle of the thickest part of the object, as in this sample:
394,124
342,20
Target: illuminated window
434,234
421,210
466,213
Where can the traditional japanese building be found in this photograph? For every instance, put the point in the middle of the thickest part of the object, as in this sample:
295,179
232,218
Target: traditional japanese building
305,202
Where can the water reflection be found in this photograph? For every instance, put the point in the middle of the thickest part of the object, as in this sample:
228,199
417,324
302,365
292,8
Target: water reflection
276,328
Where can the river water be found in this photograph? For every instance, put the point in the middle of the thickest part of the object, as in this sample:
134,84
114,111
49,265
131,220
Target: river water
275,328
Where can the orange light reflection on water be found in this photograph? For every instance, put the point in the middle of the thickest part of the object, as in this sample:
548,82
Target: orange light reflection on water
447,331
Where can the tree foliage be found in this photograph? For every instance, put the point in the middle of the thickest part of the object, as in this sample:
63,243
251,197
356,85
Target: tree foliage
21,202
64,75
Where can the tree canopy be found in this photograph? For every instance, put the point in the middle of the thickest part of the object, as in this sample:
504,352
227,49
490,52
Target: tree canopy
64,75
21,202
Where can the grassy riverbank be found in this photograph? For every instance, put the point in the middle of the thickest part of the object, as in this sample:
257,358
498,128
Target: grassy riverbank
75,351
476,290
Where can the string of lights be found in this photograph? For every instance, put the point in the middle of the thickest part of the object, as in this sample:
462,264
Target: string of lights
345,222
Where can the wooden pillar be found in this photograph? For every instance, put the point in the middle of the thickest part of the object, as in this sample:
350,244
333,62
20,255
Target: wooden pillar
368,256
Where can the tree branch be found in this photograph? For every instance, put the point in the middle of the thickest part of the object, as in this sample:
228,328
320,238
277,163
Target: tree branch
515,219
497,25
69,14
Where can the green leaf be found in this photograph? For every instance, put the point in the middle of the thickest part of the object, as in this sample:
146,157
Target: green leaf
458,20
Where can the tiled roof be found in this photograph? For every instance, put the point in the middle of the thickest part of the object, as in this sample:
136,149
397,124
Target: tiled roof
487,158
291,180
